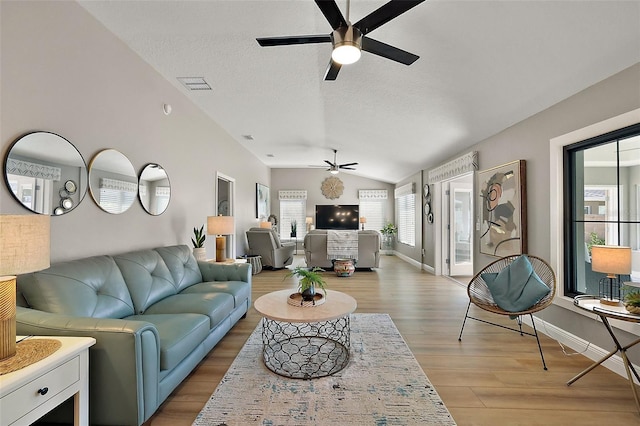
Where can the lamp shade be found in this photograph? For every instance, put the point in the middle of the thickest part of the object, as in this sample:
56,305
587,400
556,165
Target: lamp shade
24,243
24,247
220,225
266,225
363,219
611,259
308,220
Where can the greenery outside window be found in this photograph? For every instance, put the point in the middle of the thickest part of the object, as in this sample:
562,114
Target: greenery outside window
602,204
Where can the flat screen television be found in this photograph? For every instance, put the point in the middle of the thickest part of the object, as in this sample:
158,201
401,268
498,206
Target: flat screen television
337,216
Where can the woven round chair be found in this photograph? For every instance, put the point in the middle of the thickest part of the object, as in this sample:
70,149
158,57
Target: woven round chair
480,296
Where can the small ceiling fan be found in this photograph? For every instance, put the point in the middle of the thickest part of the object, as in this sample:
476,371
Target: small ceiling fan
349,40
334,167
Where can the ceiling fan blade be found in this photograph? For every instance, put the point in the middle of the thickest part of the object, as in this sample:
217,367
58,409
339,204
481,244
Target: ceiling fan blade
384,14
347,168
386,51
345,165
332,70
329,163
330,10
288,40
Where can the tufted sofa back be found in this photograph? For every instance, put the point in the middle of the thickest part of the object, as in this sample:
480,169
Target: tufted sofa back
91,287
182,265
147,277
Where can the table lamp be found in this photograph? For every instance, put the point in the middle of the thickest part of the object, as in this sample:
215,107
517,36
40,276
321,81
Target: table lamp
266,225
24,247
363,220
220,226
611,260
308,220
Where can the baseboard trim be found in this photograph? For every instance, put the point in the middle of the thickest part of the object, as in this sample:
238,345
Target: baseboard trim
580,345
408,259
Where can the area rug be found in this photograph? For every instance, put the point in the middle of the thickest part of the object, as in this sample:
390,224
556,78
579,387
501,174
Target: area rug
382,385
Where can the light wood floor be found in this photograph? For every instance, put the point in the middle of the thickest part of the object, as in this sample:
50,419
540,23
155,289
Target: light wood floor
492,377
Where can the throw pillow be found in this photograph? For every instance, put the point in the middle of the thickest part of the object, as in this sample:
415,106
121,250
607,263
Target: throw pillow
517,287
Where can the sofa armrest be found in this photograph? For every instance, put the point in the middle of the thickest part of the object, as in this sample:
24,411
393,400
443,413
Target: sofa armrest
124,363
212,271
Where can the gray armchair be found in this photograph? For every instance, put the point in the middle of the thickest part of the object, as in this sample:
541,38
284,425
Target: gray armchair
266,243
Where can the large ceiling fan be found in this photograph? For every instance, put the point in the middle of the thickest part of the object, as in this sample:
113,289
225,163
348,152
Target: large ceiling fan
348,40
334,167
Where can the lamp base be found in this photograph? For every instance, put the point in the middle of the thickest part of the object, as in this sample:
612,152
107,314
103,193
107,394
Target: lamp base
609,290
7,317
221,245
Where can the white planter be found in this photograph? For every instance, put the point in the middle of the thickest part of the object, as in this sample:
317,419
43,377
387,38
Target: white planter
200,253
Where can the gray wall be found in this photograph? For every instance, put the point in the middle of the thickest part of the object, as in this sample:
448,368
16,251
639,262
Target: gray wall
529,140
311,180
63,72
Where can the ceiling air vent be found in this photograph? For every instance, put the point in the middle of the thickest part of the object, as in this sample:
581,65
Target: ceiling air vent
194,83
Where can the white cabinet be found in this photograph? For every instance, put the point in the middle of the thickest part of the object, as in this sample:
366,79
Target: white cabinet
31,392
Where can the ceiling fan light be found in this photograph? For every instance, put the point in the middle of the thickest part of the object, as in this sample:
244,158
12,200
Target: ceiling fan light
347,45
334,171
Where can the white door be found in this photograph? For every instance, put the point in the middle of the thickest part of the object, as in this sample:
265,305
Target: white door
460,228
456,231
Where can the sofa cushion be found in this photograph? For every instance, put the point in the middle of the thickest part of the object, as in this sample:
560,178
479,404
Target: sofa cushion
91,287
146,276
217,306
240,290
179,335
182,265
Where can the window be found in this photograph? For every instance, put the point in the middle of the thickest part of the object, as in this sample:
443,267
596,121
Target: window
602,193
372,207
293,205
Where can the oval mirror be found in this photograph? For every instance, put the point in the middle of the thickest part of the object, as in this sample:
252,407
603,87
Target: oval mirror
112,181
36,169
154,189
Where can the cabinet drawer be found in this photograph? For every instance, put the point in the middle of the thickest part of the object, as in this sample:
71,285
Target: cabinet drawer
27,398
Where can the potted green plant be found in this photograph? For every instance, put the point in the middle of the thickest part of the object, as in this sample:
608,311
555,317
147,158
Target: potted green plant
308,280
388,231
199,252
294,228
631,299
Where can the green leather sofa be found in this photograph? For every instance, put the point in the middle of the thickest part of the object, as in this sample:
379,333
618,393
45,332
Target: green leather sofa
154,313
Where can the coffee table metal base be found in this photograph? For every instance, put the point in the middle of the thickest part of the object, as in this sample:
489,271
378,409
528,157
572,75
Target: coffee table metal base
306,350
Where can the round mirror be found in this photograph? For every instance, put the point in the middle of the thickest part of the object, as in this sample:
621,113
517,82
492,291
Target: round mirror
112,181
154,189
36,168
70,187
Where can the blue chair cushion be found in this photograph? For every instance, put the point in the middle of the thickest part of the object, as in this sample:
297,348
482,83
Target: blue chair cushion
517,287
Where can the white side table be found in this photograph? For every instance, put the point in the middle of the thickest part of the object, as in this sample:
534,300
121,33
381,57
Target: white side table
31,392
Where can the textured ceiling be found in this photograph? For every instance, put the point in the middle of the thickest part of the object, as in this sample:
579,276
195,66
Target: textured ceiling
484,66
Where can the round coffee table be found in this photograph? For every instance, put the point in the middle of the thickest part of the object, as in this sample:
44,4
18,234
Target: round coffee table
305,342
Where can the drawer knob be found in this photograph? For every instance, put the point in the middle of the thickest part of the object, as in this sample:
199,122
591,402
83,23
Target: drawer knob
43,391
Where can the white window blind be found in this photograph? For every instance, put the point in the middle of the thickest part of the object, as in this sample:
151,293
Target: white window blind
291,210
406,210
372,207
293,205
116,196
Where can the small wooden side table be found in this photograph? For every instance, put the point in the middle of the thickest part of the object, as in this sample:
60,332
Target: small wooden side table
592,304
31,392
